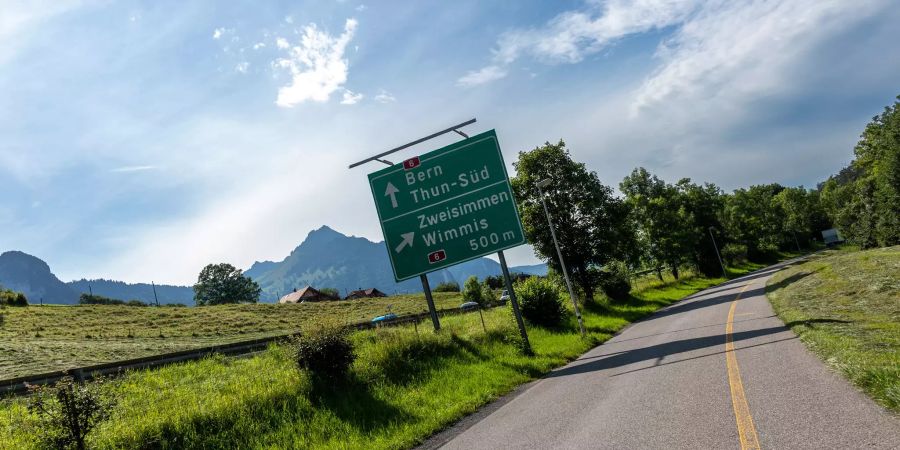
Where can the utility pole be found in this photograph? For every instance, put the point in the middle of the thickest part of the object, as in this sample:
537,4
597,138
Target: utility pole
724,274
154,293
541,184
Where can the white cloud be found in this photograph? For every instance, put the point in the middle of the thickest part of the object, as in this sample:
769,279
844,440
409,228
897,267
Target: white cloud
385,97
317,66
260,45
289,19
742,50
350,97
282,43
485,75
242,66
218,32
361,8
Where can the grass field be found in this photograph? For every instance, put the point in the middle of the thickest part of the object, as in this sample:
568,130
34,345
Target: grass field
404,385
42,339
845,306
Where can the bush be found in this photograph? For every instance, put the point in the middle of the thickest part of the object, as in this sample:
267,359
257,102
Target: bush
68,411
488,296
734,254
472,291
325,350
331,292
540,302
615,281
447,286
89,299
12,298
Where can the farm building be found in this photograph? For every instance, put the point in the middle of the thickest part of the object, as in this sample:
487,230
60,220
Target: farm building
307,294
365,293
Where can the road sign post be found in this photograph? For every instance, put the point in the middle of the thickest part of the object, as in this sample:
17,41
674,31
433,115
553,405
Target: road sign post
431,309
514,302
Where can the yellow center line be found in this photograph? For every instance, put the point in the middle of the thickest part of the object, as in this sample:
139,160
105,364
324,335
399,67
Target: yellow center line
746,430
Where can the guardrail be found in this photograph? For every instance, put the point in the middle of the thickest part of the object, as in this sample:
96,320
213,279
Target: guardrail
19,385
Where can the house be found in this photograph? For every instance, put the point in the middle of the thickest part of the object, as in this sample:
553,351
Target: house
365,293
307,294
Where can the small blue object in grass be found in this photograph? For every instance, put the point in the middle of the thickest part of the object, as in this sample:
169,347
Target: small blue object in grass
469,306
387,316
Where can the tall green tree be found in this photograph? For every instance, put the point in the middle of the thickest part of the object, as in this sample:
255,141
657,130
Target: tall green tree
803,216
863,199
658,212
754,219
591,223
223,283
703,206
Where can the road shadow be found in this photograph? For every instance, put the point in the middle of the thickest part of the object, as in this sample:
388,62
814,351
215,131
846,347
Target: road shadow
660,351
783,283
699,303
810,323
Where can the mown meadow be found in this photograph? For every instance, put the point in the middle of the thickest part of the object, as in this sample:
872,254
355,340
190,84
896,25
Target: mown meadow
845,306
39,339
404,385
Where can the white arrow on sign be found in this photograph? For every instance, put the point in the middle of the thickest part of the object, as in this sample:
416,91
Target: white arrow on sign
392,191
407,240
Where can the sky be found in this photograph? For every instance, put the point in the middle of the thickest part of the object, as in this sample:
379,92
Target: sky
140,141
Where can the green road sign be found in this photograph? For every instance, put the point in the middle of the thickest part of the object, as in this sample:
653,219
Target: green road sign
446,207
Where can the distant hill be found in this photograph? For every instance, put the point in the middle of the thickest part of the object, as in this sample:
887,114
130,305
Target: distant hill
138,291
27,274
327,258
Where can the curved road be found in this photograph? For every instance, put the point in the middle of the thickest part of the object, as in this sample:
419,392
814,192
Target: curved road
715,371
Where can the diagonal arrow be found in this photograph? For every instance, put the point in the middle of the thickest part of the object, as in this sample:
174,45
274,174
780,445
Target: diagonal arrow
392,191
407,240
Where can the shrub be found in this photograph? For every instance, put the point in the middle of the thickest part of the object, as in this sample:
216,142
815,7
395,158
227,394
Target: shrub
135,303
488,296
90,299
68,411
734,253
331,292
614,280
540,301
447,286
472,291
325,350
12,298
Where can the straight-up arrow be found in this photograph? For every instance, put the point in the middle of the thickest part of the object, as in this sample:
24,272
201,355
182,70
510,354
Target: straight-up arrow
407,240
392,191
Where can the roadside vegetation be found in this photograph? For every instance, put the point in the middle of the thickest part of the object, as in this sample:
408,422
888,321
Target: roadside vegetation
43,339
402,385
845,306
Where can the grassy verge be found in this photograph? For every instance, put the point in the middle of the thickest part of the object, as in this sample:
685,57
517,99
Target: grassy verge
405,385
43,339
845,306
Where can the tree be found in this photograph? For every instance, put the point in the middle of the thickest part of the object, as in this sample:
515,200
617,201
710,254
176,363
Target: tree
863,199
592,225
223,283
803,215
703,208
657,210
472,290
754,219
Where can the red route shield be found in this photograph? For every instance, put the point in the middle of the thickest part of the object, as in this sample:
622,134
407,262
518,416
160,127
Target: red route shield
437,256
411,163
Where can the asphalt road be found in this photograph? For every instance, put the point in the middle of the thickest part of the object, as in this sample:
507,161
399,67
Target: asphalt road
685,378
